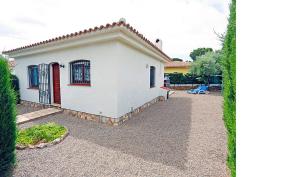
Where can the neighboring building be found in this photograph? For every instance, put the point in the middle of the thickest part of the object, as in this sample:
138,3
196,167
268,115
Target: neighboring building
178,67
107,71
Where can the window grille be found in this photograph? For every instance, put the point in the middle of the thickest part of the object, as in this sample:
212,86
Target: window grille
80,72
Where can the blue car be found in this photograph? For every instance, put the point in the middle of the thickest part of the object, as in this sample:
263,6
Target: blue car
201,89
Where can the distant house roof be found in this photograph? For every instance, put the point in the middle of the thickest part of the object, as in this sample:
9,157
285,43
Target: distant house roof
178,64
87,31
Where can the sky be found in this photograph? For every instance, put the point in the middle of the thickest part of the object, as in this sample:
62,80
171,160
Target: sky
182,25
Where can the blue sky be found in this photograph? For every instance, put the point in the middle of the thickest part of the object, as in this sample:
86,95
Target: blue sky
183,25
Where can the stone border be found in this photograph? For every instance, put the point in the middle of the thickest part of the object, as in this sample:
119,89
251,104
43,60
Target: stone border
183,87
109,120
43,145
35,105
102,119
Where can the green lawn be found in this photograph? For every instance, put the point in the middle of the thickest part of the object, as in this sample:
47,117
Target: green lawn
40,133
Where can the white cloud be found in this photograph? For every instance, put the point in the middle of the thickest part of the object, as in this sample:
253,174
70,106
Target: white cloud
183,25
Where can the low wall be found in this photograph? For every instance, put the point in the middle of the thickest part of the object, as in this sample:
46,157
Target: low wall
183,87
215,88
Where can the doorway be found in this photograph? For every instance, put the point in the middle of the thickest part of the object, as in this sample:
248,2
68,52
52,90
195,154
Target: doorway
56,83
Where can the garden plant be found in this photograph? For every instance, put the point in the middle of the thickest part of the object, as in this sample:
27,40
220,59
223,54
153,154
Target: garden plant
7,119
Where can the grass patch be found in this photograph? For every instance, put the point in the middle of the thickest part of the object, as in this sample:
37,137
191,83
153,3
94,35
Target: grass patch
40,133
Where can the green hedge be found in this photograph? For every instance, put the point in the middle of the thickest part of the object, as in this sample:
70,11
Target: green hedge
188,78
229,83
7,120
180,78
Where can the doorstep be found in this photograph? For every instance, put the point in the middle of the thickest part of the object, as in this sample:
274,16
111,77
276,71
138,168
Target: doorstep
36,115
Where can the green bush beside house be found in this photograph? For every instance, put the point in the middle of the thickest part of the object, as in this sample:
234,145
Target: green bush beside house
16,87
7,120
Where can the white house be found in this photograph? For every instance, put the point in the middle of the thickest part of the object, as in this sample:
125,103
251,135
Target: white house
108,71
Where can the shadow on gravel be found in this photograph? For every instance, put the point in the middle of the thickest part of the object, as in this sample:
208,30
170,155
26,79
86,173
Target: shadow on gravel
159,134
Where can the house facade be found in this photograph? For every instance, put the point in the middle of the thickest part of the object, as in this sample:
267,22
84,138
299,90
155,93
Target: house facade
108,71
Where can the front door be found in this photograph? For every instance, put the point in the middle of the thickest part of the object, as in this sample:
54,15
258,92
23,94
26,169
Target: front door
56,83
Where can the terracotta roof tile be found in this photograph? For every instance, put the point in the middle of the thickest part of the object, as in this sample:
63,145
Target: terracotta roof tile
85,31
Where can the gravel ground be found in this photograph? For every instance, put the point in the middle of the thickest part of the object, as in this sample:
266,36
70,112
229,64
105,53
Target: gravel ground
22,109
184,136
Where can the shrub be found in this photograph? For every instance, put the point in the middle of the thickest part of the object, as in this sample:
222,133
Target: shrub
16,87
40,133
229,84
7,119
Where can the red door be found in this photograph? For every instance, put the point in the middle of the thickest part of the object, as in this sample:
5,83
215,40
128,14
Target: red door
56,83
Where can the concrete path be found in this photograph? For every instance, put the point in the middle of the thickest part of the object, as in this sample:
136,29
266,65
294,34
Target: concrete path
36,114
182,137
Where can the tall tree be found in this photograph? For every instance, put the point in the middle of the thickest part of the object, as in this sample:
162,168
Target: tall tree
7,120
199,52
229,83
206,66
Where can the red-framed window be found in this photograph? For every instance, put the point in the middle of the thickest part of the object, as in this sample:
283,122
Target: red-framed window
80,72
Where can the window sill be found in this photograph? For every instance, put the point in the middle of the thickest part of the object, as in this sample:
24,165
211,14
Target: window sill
33,88
84,85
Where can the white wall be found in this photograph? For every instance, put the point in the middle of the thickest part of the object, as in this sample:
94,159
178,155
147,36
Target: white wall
134,79
119,78
99,97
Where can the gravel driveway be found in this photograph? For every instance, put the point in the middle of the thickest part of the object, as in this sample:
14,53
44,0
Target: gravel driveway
184,136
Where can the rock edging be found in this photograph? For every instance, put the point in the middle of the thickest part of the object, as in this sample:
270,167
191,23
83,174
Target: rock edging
43,145
109,120
99,118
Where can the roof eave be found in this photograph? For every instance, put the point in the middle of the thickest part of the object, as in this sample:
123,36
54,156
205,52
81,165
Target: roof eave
144,46
89,36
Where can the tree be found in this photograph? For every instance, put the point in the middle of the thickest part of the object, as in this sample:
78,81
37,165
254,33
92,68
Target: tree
221,36
177,59
7,120
229,87
199,52
206,66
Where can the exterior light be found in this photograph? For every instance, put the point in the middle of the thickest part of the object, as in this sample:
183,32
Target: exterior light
61,65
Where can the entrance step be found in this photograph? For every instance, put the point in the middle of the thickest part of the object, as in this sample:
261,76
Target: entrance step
56,105
36,115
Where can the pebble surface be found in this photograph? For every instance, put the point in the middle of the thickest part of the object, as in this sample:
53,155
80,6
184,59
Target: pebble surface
183,136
